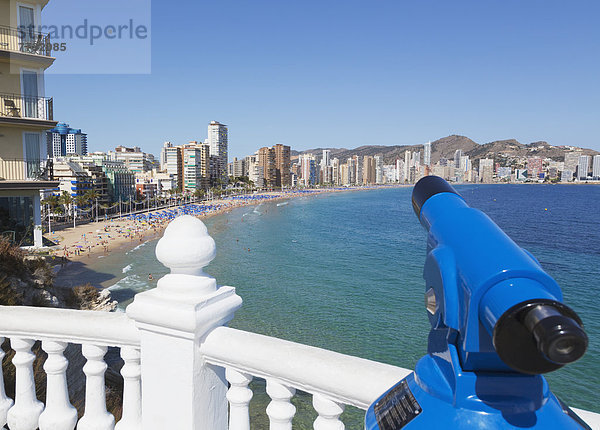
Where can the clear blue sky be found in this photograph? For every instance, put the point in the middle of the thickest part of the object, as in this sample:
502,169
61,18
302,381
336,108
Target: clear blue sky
348,73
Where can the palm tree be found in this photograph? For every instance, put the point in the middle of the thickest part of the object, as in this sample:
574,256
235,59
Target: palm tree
81,201
91,196
66,200
52,202
104,208
199,193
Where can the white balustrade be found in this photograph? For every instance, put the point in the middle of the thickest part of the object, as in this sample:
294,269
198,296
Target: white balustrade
280,410
342,378
5,402
95,417
26,411
239,396
329,413
132,390
59,413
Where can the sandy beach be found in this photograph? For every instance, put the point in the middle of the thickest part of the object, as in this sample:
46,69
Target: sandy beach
120,234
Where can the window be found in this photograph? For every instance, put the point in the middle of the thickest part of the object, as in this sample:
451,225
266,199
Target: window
33,155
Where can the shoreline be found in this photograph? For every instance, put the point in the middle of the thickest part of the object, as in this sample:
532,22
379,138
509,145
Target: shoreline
80,247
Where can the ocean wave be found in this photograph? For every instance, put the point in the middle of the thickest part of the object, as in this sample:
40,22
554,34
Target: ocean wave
136,248
127,268
133,282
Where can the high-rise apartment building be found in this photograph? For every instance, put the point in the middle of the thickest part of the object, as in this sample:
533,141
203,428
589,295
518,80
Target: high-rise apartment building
335,171
572,160
266,159
63,141
407,164
486,170
344,180
255,172
25,114
174,164
308,170
582,167
596,168
427,154
218,142
358,165
236,168
282,165
163,156
325,167
457,156
206,166
192,167
378,169
399,170
368,170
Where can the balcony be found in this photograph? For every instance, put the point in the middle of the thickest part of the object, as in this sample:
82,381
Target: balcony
183,368
25,170
25,41
16,106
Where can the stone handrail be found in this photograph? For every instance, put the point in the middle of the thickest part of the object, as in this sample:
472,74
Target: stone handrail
68,325
307,368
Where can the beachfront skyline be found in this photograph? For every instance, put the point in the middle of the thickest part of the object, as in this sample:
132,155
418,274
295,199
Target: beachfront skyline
320,75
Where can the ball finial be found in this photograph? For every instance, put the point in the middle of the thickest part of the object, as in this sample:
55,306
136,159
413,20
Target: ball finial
186,247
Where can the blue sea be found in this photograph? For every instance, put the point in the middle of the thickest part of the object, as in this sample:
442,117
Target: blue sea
343,271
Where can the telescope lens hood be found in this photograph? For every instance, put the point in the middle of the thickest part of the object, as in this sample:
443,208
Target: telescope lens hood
539,336
429,186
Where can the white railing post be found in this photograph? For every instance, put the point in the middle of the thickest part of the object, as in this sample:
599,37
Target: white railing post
95,417
329,413
173,319
5,402
280,410
25,413
59,413
239,396
132,390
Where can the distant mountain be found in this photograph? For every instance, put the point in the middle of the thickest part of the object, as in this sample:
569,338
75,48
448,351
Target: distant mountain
447,146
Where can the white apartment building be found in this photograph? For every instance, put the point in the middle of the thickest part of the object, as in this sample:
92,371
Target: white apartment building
582,167
427,154
596,168
218,142
378,169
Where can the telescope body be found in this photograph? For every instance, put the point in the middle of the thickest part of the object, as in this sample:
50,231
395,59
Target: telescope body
497,323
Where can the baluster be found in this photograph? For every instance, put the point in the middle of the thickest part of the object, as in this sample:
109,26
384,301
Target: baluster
132,390
25,413
239,396
280,410
5,402
59,413
329,413
95,417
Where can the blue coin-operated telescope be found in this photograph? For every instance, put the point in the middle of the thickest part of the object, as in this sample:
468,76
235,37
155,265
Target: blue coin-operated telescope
497,323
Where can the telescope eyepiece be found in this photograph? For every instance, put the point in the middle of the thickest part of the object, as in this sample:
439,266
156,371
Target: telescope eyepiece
539,336
559,338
